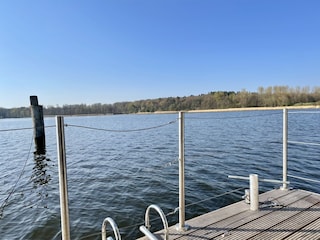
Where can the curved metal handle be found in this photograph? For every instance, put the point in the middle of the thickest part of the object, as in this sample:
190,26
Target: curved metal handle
147,233
163,217
114,228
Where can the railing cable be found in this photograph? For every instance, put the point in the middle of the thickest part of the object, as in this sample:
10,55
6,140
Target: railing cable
233,117
127,130
172,163
170,213
217,196
305,112
5,202
20,129
204,200
15,129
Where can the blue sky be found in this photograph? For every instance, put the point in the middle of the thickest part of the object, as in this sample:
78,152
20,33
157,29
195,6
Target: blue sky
106,51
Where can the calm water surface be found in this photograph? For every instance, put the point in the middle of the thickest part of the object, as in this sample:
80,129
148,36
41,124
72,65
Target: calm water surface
119,174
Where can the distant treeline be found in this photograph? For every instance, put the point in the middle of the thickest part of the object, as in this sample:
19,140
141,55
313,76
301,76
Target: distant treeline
264,97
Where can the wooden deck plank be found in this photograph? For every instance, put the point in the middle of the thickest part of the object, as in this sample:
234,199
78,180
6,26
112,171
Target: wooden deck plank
292,224
296,214
199,224
222,227
253,228
309,232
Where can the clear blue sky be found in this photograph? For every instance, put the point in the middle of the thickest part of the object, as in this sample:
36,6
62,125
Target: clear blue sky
106,51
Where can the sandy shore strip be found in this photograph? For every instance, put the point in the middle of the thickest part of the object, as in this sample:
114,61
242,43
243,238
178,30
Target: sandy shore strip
243,109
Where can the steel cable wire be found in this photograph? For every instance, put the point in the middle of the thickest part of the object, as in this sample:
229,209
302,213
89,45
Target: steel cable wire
174,211
5,202
239,117
19,129
127,130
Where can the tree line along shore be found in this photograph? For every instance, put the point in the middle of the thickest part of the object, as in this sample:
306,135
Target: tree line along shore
264,98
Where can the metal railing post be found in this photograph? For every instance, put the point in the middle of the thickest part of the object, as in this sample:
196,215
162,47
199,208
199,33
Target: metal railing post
65,225
254,192
285,150
181,226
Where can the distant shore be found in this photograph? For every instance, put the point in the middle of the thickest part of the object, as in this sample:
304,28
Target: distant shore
256,108
241,109
204,110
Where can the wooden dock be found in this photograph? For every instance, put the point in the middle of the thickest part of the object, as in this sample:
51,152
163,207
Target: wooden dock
282,214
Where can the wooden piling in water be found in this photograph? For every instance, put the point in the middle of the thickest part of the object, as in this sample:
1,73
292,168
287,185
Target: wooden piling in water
38,125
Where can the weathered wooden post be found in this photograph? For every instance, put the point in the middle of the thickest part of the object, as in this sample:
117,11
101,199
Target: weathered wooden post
38,125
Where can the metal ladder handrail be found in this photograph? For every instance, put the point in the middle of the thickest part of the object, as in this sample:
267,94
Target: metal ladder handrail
146,229
115,229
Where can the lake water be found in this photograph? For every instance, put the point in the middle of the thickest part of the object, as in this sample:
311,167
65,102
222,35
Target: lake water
119,174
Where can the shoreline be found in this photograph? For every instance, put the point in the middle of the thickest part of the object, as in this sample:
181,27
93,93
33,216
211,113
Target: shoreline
195,111
238,109
200,111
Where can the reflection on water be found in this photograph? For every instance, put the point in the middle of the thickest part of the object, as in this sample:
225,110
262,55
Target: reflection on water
40,179
34,197
40,176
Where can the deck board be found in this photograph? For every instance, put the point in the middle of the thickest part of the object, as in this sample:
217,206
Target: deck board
310,231
295,214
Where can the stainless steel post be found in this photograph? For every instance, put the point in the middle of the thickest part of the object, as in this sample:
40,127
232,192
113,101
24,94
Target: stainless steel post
181,226
285,150
254,192
65,225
